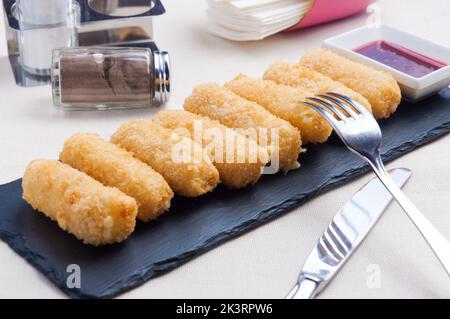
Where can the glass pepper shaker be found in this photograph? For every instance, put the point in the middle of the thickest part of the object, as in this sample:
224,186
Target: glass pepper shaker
109,78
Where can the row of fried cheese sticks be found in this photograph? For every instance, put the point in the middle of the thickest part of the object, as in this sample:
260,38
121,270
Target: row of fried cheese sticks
98,188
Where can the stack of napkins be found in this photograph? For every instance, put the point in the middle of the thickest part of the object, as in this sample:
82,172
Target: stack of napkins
245,20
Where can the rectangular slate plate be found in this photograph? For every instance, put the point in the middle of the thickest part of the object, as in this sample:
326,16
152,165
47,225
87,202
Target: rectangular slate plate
195,225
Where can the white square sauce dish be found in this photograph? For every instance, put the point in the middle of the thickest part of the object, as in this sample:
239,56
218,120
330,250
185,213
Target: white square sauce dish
419,66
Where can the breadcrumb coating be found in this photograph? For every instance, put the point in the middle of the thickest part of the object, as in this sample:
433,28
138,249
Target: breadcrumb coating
94,213
224,146
378,87
284,102
221,104
115,167
158,147
306,79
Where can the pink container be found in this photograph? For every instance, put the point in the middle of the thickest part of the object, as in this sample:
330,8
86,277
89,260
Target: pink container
328,10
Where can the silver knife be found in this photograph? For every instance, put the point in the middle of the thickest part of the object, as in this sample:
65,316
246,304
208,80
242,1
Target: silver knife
343,235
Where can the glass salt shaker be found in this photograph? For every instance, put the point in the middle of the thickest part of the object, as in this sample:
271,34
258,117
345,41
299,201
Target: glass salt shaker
46,24
109,78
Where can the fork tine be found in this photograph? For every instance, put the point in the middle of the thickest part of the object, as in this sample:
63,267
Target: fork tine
327,115
341,116
351,112
352,102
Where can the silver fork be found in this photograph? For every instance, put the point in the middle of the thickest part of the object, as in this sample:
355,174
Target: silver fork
361,134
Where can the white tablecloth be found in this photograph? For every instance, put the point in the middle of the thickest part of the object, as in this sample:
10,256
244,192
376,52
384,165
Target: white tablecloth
394,261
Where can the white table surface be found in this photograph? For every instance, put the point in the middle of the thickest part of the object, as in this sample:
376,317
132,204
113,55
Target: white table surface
263,263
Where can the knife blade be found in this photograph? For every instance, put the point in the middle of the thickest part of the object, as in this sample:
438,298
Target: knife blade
344,234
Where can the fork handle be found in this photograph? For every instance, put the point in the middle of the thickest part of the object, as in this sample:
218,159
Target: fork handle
438,243
305,288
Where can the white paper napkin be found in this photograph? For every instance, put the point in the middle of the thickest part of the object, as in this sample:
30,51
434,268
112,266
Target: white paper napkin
246,20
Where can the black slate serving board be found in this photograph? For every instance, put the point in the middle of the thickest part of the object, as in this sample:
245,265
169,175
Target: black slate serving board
195,225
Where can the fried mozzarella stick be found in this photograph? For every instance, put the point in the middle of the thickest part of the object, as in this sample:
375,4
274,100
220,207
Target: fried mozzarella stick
115,167
221,104
190,174
94,213
379,88
306,79
238,159
284,102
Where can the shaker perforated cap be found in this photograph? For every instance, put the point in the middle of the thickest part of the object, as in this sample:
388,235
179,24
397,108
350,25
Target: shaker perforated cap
162,76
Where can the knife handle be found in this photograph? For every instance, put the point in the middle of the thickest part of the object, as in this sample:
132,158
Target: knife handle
305,288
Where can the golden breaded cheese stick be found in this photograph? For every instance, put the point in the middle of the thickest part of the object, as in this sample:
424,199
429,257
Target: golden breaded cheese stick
304,78
238,159
182,162
284,102
94,213
378,87
221,104
115,167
